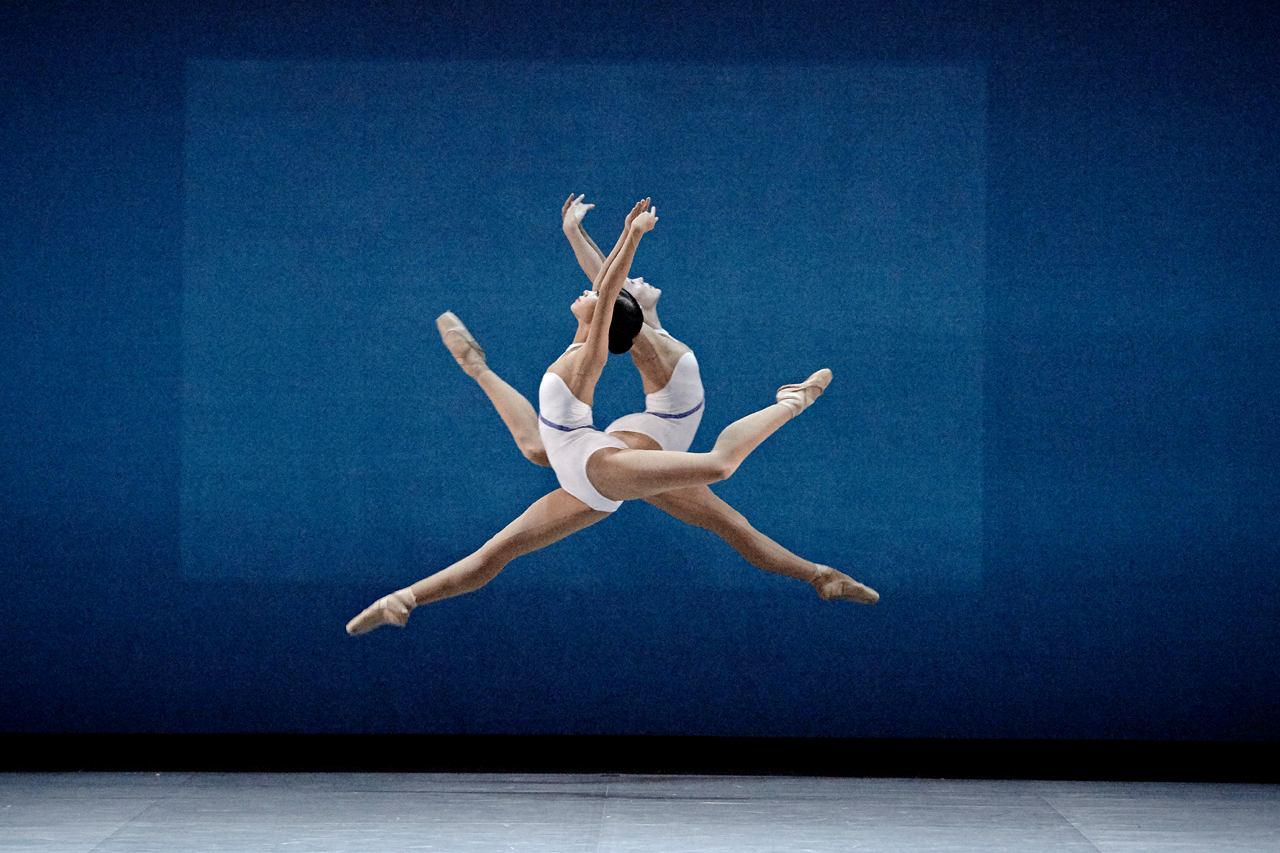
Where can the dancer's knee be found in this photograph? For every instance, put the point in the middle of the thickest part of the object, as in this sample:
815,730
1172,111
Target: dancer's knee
535,453
485,569
531,446
720,466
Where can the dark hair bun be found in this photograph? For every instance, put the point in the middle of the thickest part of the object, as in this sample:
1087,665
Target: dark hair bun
627,320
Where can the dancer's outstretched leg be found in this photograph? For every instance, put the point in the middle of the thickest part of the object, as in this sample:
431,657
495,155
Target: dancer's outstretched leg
701,507
623,475
550,519
514,409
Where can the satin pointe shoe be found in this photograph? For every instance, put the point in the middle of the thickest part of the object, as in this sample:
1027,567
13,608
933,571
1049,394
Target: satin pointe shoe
799,397
461,344
834,585
391,609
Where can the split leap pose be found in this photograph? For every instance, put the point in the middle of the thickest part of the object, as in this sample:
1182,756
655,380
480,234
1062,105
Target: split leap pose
673,410
597,471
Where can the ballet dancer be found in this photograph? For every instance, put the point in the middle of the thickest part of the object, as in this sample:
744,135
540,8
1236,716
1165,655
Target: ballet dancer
673,410
596,471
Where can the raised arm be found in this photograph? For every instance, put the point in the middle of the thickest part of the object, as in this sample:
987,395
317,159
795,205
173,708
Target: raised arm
581,370
589,256
613,272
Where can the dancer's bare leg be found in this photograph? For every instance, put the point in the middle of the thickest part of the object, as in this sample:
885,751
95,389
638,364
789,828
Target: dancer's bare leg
656,357
701,507
550,519
623,475
515,410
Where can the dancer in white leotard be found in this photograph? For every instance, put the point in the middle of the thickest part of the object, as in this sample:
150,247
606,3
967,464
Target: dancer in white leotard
570,438
613,473
673,411
671,415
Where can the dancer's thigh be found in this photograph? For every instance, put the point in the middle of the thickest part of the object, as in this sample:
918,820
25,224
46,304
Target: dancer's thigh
549,519
698,506
623,475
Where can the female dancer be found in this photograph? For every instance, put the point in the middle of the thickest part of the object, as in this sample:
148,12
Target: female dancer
674,407
596,471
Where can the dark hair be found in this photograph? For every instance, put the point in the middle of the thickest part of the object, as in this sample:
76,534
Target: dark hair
626,323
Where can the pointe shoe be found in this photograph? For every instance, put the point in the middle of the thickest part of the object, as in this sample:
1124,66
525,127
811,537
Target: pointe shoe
832,584
797,398
461,344
391,609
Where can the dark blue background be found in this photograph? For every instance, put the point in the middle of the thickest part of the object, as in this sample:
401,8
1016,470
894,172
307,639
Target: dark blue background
1128,585
828,216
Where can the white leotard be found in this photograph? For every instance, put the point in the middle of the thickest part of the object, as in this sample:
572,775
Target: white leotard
671,415
565,424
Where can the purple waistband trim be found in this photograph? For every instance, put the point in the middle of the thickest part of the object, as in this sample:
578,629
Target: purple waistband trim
563,428
681,415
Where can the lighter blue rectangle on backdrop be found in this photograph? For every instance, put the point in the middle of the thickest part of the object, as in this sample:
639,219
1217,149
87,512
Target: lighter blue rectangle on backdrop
809,216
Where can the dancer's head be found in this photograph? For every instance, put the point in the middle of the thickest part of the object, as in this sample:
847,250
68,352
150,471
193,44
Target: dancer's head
626,322
643,291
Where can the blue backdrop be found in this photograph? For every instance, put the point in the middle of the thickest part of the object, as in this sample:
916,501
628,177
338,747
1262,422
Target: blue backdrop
1038,250
818,217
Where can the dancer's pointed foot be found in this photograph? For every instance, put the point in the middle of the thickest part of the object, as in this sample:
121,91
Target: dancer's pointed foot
797,398
832,585
391,609
464,348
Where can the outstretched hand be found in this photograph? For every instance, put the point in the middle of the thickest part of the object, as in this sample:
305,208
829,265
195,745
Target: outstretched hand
645,220
639,212
573,210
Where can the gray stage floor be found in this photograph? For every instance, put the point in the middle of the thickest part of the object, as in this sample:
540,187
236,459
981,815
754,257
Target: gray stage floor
565,814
